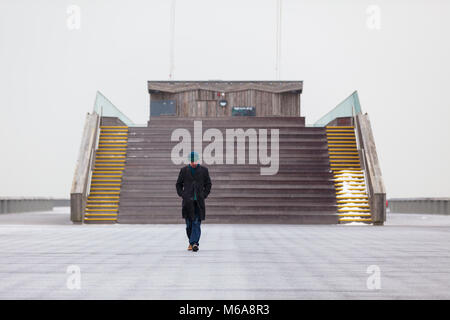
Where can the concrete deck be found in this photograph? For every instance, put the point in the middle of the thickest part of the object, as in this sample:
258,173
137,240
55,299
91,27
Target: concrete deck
234,262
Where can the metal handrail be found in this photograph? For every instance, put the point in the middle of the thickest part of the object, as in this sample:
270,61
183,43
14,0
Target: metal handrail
92,155
361,149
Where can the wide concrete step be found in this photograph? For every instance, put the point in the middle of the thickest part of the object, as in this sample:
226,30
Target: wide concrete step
274,218
211,210
301,192
233,190
285,153
283,134
222,170
253,202
249,154
248,189
315,162
133,141
299,148
247,180
229,195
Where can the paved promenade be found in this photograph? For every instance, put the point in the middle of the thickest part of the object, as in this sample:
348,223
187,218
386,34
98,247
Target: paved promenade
412,254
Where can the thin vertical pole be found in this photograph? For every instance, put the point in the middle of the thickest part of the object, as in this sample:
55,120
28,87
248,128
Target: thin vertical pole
172,40
278,41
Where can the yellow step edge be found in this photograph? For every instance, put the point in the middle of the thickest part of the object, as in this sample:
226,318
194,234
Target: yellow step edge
103,197
100,219
342,146
340,197
330,139
109,133
348,182
336,143
100,210
353,205
111,155
351,187
114,130
105,184
113,136
343,160
344,157
107,189
113,145
111,160
114,149
349,133
104,166
103,201
356,193
102,206
106,192
88,216
97,176
354,210
355,220
354,215
100,214
340,172
105,171
103,142
356,187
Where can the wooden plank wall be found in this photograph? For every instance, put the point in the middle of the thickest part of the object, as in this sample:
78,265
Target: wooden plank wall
205,103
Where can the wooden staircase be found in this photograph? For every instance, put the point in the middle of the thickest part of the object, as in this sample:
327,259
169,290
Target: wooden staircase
302,191
351,192
104,196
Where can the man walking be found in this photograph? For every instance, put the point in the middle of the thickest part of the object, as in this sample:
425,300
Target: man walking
194,186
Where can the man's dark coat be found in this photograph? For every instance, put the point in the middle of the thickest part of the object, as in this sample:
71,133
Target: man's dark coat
186,184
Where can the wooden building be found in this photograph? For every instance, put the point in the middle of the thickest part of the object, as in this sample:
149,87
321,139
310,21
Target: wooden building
225,98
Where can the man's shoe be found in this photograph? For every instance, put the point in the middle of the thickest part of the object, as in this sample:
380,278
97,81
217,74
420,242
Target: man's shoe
195,248
190,247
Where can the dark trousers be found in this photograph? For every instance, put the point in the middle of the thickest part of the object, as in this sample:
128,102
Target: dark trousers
193,230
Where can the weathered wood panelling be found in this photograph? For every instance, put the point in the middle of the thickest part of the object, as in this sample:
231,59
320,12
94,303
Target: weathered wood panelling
205,103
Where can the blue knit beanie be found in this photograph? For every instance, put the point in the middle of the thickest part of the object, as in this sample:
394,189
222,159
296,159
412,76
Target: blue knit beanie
193,156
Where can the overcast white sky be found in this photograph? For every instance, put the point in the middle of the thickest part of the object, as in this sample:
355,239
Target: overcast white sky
49,74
